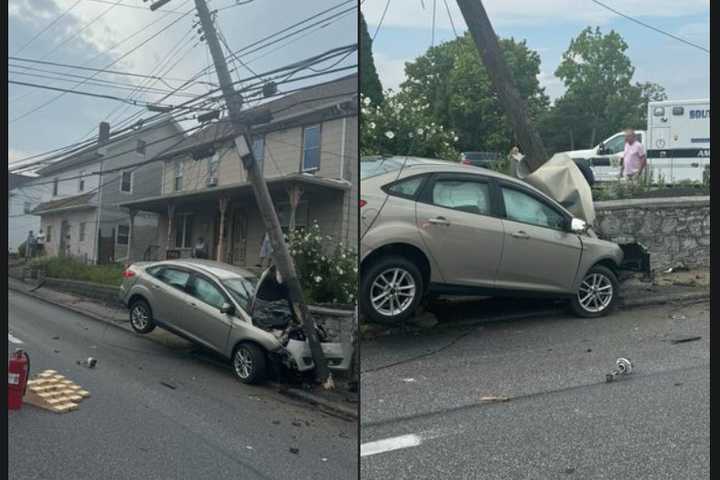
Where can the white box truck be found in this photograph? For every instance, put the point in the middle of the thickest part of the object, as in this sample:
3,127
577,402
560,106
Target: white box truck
677,142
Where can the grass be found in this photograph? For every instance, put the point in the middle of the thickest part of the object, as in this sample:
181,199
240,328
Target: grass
68,268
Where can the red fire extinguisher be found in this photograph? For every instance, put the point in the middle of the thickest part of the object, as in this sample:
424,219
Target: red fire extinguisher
18,373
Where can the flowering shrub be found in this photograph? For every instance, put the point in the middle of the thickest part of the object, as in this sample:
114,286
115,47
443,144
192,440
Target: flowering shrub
403,125
328,275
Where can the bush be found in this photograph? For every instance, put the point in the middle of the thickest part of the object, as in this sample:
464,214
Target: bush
327,275
71,269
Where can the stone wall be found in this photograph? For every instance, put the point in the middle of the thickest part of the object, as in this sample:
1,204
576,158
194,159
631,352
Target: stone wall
675,230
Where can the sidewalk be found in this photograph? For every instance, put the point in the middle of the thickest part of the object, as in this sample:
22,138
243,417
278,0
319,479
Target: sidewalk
453,312
340,402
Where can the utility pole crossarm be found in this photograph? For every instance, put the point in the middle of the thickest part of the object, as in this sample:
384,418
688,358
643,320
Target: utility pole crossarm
515,107
243,141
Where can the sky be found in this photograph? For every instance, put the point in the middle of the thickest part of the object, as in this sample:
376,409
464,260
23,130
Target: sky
89,35
548,26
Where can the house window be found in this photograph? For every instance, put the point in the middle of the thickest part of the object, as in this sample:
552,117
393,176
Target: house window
82,231
140,148
55,187
311,148
123,235
126,182
81,181
179,168
48,233
183,231
213,163
27,206
258,150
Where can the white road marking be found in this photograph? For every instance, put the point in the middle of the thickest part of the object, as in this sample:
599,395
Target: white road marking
390,444
14,340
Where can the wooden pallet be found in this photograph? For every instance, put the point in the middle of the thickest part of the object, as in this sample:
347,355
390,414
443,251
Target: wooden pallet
52,391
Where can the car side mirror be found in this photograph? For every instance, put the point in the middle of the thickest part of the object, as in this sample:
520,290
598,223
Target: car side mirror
602,149
227,309
578,226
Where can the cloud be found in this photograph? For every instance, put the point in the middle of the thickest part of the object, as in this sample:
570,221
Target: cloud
554,87
409,13
390,70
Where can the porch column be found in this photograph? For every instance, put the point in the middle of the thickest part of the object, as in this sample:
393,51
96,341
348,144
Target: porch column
295,194
131,235
171,215
222,205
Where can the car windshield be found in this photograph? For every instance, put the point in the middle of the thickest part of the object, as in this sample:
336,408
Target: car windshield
242,289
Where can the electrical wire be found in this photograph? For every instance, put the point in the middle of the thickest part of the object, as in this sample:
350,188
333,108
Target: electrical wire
47,27
382,18
452,23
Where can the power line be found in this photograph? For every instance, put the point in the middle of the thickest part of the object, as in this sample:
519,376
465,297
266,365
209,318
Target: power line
75,92
125,5
432,41
628,17
447,8
47,27
382,18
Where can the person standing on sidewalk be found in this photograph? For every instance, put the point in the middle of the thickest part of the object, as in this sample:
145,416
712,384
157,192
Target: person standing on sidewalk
30,246
265,251
634,159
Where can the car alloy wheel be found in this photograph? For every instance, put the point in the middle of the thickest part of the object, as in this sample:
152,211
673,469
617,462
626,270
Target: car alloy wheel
392,292
243,363
596,292
139,317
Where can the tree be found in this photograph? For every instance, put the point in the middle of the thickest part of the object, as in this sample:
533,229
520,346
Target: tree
451,80
597,75
649,92
370,84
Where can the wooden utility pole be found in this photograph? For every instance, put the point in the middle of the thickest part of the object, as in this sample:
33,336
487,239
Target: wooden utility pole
243,140
516,108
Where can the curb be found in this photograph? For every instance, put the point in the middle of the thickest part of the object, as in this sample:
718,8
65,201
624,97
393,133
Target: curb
309,397
623,305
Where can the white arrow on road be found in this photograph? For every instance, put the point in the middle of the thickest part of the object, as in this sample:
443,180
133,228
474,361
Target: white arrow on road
14,340
390,444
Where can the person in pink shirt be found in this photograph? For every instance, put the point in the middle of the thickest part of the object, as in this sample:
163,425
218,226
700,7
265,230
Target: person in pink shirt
634,160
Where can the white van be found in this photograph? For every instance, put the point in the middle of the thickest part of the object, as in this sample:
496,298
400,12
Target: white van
678,139
677,142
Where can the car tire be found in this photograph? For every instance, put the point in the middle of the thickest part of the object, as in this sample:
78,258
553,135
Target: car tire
249,363
590,300
410,279
141,317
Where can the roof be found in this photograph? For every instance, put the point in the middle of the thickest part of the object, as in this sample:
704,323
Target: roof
159,203
90,153
292,105
68,203
15,180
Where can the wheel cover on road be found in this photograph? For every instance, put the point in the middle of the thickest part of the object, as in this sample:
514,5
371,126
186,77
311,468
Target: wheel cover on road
392,292
243,363
595,292
139,317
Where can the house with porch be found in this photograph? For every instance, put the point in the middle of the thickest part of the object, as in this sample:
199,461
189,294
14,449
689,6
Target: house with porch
76,198
308,155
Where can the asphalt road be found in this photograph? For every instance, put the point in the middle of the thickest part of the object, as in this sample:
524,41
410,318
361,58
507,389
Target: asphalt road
202,424
424,416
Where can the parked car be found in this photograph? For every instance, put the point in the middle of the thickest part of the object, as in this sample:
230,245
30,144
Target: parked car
435,227
212,304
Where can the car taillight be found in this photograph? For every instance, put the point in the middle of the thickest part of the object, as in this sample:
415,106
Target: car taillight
465,161
128,273
362,203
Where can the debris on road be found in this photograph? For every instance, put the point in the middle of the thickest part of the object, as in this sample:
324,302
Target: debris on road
56,338
623,366
685,340
409,380
494,399
294,450
169,385
51,391
90,362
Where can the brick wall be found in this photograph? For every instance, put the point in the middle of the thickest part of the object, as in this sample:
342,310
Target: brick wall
673,229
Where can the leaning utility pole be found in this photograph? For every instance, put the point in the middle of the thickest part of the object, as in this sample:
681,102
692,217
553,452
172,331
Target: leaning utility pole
487,44
243,140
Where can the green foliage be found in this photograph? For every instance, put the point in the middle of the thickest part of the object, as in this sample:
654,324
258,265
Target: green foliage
454,84
402,125
370,84
327,275
71,269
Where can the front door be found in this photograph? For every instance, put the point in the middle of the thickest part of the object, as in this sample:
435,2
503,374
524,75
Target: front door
454,216
539,253
64,239
206,323
238,237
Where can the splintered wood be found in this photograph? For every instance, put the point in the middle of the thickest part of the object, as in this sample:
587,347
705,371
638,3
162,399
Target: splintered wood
54,392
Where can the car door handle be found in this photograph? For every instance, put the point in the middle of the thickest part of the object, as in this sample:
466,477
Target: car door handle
439,221
520,234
